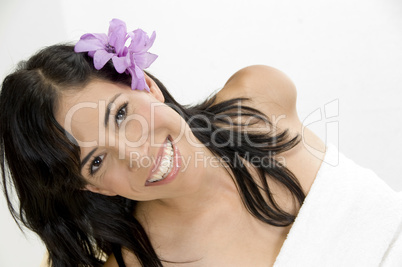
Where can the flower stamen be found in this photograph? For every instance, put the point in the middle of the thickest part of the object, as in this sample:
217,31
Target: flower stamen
110,49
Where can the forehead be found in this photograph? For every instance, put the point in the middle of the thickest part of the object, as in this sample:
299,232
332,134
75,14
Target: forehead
94,91
83,109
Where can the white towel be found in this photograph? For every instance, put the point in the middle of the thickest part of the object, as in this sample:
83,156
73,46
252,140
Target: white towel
349,218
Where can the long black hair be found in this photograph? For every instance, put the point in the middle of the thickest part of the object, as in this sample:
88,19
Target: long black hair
41,162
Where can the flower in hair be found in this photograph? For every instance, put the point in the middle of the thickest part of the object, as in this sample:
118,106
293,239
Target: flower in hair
131,59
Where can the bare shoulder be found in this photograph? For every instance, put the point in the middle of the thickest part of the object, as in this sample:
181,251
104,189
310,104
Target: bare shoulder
272,92
269,89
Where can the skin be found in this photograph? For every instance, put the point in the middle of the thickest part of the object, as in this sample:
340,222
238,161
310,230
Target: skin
199,215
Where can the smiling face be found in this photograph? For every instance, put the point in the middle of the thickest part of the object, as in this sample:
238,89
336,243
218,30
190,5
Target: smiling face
132,144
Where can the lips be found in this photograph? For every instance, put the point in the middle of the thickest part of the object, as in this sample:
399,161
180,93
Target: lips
167,164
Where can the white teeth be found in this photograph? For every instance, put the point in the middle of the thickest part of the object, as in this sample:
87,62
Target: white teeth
165,165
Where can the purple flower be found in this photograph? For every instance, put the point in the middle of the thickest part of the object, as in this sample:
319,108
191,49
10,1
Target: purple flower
132,59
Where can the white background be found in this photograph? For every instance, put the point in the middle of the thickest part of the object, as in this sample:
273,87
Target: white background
347,51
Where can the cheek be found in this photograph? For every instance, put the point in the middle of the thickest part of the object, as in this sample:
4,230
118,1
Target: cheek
167,117
115,180
127,185
150,117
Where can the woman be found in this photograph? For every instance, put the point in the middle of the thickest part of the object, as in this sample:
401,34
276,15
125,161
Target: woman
102,170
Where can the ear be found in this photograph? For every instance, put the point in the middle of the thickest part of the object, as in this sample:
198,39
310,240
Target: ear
95,189
154,88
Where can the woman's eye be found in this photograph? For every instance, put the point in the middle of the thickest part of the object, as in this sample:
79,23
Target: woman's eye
121,114
96,164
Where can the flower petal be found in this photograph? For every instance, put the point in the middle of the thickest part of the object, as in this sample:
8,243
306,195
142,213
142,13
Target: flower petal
101,37
150,41
136,41
140,42
117,35
138,79
116,23
133,78
101,57
141,84
121,63
91,42
144,60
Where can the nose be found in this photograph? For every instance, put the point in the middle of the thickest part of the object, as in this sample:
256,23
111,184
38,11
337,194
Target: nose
134,155
137,157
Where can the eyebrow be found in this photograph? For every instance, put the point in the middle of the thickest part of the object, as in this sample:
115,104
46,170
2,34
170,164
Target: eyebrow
107,113
109,107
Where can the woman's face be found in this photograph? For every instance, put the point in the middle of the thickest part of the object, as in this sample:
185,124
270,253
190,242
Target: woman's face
125,135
